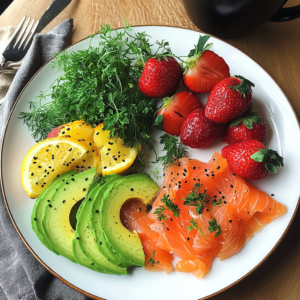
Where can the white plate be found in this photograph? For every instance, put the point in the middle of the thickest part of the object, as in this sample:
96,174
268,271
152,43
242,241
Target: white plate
283,136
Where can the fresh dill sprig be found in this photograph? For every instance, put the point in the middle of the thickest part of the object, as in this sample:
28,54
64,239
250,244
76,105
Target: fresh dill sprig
155,173
151,260
193,226
200,200
169,204
175,150
213,226
100,84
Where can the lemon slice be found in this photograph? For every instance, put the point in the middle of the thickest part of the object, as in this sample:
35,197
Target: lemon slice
47,159
115,156
91,160
78,130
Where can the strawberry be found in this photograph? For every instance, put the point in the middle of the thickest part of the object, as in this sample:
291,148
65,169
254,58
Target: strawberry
229,99
175,110
160,77
197,131
204,68
54,132
251,159
248,127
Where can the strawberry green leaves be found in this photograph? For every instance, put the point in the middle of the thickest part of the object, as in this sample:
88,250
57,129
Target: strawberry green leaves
200,47
244,87
270,157
248,120
198,51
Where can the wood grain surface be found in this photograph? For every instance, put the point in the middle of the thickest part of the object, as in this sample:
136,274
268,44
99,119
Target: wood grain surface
275,46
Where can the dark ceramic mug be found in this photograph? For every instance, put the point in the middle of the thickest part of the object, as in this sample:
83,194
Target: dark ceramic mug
228,18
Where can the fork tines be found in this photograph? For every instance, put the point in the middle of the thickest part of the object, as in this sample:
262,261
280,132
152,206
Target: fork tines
24,33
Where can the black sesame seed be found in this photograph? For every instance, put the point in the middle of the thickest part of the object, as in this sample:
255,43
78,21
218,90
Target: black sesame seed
70,149
272,195
86,179
72,179
230,221
96,211
32,174
188,238
97,133
231,186
50,205
104,167
168,229
77,238
100,243
35,219
225,202
64,201
132,189
84,189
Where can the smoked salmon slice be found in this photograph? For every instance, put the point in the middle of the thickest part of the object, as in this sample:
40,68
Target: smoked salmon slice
235,205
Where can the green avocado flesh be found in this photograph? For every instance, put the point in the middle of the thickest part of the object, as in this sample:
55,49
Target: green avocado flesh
84,245
55,219
39,207
119,239
95,223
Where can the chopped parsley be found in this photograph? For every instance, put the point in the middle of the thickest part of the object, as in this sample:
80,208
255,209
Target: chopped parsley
215,203
193,226
200,200
213,226
169,204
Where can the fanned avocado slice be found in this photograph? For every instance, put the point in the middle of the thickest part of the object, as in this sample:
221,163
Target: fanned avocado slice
95,223
56,221
84,246
126,244
39,207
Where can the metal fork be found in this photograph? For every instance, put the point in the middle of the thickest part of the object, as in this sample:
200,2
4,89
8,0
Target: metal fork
21,40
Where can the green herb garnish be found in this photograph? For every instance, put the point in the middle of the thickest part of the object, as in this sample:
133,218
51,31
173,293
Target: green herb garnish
200,200
193,226
151,260
213,226
215,203
169,204
175,150
100,84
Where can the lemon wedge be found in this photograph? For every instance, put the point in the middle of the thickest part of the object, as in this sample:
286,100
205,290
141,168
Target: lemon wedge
115,156
78,130
49,158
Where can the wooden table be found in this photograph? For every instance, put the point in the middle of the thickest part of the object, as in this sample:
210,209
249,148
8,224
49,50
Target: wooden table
275,46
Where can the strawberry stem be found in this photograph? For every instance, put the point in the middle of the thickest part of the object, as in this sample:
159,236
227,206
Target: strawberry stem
270,157
244,87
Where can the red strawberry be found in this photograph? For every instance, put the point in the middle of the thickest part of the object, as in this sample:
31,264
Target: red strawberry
229,99
175,110
197,131
54,132
248,127
204,68
160,77
251,159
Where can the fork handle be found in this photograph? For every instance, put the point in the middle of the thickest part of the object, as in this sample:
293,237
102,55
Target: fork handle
52,11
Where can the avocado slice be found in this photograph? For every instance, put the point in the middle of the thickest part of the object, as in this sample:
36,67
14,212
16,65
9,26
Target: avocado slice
95,223
119,239
39,207
84,246
56,221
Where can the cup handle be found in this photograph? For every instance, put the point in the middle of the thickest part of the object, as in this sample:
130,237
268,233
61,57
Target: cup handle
286,14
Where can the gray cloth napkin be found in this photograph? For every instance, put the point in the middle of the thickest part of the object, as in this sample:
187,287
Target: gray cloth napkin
21,275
